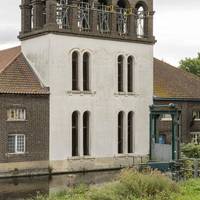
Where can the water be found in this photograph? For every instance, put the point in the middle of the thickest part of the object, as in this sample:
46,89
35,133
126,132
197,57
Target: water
23,188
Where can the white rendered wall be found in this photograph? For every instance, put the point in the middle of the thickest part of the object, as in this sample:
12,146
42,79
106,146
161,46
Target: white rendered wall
50,56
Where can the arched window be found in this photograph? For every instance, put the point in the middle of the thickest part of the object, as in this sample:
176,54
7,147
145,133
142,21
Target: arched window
75,127
123,3
130,132
103,17
140,21
120,132
75,85
122,17
84,15
130,74
120,73
86,133
86,72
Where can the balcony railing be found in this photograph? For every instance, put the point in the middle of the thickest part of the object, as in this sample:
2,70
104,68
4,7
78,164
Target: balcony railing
94,19
83,18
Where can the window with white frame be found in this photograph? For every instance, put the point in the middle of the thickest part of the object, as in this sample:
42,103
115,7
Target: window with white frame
16,144
195,137
16,114
166,117
196,115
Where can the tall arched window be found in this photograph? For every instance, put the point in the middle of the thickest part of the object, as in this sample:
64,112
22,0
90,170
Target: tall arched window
75,84
120,132
86,133
86,72
120,73
140,21
75,127
130,132
130,74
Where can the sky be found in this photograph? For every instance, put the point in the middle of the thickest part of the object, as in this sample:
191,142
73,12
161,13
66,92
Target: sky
176,28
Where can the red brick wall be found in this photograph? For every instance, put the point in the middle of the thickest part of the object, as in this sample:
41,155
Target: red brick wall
35,128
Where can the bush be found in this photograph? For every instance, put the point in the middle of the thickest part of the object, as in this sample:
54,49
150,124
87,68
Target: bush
191,150
130,185
134,185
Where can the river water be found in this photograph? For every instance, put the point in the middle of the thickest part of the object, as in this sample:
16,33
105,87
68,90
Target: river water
23,188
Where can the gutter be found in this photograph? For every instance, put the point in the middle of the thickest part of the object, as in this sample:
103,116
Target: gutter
155,98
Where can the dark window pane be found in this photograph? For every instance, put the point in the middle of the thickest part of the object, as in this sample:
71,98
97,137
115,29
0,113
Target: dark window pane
130,132
86,124
75,134
75,71
130,74
86,72
120,132
120,74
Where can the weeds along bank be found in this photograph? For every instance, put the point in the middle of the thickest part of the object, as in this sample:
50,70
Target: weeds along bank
132,185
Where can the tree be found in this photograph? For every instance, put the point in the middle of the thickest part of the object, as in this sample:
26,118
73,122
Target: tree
191,65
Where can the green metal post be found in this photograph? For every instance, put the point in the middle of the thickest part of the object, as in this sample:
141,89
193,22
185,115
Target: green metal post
173,138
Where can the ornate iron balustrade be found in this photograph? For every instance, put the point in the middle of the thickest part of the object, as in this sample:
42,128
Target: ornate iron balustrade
84,16
75,17
63,15
103,25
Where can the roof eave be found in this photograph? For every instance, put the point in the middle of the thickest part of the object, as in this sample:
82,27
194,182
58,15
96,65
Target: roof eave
156,98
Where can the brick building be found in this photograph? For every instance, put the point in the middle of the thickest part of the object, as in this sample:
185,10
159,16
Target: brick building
93,55
173,85
24,119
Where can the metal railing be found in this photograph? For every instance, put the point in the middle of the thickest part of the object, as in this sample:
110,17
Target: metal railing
186,168
83,18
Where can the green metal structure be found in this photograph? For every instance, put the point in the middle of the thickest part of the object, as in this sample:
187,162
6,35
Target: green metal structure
155,112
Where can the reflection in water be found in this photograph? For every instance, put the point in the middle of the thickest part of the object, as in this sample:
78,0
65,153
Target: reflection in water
23,188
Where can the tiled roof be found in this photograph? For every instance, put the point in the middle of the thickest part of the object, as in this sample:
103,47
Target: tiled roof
171,82
16,75
7,56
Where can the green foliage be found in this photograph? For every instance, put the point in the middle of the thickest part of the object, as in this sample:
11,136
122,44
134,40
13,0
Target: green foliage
191,150
189,190
191,65
130,185
187,166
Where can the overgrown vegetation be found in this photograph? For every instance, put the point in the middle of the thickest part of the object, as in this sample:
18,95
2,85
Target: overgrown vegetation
130,185
189,190
191,150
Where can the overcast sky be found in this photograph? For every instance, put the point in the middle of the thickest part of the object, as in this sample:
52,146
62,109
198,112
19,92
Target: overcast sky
176,27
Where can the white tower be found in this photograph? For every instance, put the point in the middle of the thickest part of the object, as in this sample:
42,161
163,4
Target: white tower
97,59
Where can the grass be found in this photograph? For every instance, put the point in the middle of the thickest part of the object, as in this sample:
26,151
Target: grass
132,185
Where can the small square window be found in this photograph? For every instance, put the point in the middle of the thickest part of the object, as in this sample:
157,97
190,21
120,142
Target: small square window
166,117
16,144
16,114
